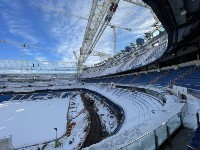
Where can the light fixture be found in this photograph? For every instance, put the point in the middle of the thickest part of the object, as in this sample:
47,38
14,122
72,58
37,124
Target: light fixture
183,11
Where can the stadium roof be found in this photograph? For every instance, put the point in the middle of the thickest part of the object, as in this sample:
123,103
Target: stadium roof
181,20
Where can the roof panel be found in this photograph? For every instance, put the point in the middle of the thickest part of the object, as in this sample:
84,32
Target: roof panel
192,5
176,7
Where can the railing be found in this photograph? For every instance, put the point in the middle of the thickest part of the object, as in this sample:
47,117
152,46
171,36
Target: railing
158,135
197,117
160,97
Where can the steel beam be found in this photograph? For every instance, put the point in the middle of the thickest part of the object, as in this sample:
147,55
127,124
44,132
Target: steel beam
97,13
29,66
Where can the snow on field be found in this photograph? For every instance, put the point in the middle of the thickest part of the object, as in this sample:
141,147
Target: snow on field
79,122
77,135
32,122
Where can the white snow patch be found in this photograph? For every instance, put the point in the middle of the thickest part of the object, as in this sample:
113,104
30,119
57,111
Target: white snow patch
32,122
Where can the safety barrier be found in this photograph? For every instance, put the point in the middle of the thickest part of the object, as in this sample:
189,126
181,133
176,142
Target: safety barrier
159,135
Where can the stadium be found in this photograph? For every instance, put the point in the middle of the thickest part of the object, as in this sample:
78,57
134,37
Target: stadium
100,75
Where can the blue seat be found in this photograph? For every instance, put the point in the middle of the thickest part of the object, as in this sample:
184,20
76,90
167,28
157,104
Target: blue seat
190,148
195,144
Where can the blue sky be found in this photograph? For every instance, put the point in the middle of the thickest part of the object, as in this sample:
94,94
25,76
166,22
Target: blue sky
34,23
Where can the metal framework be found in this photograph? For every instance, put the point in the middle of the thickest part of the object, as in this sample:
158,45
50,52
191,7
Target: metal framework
114,34
100,15
22,65
89,41
95,27
103,56
46,66
97,13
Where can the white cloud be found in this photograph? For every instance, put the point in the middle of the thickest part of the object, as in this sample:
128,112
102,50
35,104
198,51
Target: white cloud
70,30
67,31
16,24
20,27
41,58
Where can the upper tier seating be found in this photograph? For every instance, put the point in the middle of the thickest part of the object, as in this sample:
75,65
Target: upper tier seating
184,76
124,61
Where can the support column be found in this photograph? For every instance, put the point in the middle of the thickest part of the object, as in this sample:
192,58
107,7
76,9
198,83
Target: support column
168,132
156,140
197,116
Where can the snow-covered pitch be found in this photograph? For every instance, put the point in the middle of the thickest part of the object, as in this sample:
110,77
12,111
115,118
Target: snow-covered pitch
33,122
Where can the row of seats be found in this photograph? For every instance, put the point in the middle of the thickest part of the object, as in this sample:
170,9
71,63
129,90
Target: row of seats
194,143
116,109
188,76
138,107
34,96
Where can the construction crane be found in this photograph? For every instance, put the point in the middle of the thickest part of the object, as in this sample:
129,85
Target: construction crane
96,25
30,64
22,46
114,34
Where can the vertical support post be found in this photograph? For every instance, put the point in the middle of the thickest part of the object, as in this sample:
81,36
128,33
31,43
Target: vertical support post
22,56
156,140
198,54
56,132
10,144
158,65
181,119
56,135
197,116
176,60
114,36
168,132
198,49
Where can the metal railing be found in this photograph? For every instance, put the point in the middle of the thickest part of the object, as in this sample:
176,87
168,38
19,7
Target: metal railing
158,135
